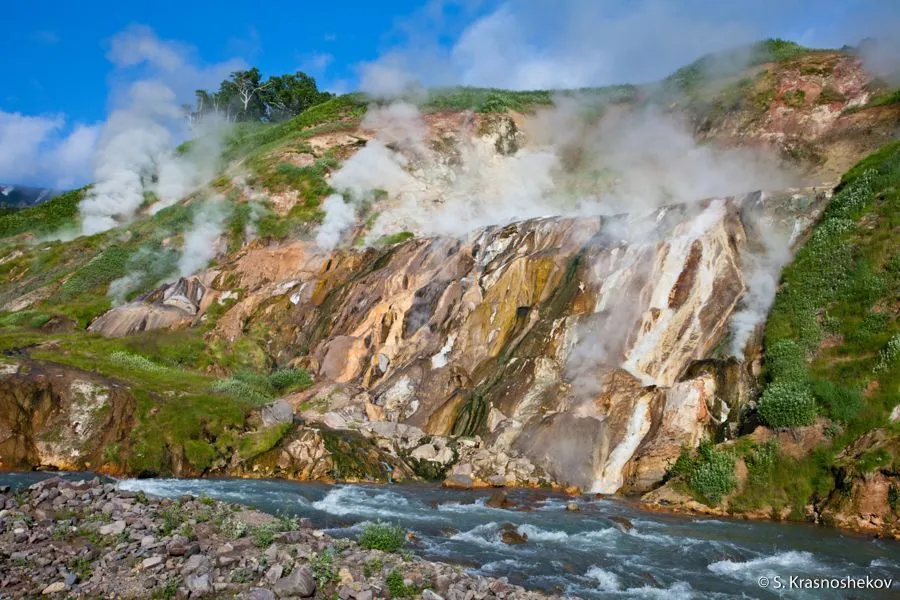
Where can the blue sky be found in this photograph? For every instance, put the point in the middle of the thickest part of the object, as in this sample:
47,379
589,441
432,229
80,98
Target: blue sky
62,80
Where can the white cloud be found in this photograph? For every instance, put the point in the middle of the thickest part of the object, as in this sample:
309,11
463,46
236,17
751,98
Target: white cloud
42,150
527,44
576,43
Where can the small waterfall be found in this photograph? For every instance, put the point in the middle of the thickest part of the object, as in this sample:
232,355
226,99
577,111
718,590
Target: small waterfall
389,470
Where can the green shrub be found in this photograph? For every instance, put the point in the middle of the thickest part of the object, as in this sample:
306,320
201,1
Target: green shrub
136,362
684,464
397,587
241,390
224,519
323,567
784,360
263,535
761,462
382,536
713,473
888,355
787,404
288,380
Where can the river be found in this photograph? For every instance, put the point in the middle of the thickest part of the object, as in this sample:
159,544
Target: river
586,553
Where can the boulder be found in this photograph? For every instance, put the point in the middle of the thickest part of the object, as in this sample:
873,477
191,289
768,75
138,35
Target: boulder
54,588
198,585
276,413
300,582
114,528
510,535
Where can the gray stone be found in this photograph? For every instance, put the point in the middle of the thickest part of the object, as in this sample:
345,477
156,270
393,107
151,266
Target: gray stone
198,585
197,562
259,594
151,562
363,595
299,583
276,413
274,573
114,528
178,546
429,595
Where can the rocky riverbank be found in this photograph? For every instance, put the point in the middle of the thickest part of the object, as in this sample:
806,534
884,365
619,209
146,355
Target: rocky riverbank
89,539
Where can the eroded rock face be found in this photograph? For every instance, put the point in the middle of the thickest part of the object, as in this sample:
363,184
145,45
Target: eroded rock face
867,498
565,349
59,417
556,341
169,307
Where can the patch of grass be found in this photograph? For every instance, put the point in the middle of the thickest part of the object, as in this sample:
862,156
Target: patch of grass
136,362
247,138
258,388
830,95
885,98
382,536
394,238
794,98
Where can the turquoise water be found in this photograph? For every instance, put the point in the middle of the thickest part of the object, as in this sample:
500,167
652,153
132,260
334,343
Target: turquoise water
585,553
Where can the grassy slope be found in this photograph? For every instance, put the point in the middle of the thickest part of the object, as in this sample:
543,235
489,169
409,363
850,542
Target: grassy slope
832,346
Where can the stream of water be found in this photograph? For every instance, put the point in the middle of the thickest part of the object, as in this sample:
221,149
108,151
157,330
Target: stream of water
589,553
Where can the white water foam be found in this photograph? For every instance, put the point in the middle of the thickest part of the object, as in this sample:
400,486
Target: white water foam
502,566
486,535
677,591
459,507
536,534
793,562
352,500
607,581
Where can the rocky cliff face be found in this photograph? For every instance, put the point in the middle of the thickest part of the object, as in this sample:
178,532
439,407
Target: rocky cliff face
561,344
58,417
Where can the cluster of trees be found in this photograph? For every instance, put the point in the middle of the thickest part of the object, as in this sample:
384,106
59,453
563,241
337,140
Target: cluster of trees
244,96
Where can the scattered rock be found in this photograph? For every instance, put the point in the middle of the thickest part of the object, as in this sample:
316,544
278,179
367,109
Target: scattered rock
54,588
300,582
624,524
198,585
572,507
114,528
510,535
259,594
500,499
34,560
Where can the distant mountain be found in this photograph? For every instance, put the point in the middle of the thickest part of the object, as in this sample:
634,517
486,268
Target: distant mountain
18,196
